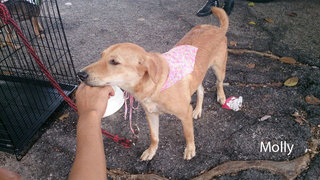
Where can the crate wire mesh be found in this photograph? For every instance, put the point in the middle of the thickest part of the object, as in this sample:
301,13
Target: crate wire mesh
27,99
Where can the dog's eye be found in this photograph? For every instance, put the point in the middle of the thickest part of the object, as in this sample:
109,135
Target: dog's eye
113,62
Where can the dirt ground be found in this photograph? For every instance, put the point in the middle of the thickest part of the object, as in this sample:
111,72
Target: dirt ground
254,71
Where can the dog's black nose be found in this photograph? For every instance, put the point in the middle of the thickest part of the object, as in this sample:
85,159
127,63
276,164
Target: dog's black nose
82,75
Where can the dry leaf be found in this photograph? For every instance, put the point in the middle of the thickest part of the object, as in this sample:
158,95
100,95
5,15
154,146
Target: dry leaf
252,23
277,84
269,20
251,66
291,81
300,117
310,99
251,4
64,116
292,14
288,60
233,43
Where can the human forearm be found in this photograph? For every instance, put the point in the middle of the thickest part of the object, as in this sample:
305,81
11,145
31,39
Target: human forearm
90,158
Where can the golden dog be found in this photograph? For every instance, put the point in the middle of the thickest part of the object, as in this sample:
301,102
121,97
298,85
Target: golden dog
143,74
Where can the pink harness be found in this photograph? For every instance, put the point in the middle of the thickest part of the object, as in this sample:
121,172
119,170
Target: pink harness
181,61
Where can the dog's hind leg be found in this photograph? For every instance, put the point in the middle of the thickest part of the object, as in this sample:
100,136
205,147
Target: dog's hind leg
220,72
153,121
198,110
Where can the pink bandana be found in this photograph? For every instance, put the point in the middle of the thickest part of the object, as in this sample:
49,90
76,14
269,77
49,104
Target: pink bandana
181,61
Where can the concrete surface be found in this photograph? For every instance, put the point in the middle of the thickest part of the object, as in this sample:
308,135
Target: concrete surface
221,135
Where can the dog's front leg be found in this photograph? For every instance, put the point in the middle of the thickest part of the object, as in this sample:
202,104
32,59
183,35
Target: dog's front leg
153,121
37,27
9,40
187,124
2,44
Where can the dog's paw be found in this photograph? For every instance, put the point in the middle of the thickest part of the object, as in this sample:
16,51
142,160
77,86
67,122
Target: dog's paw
189,153
148,154
196,113
41,36
16,47
221,99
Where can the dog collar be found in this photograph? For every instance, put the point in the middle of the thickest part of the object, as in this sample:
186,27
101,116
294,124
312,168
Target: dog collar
181,61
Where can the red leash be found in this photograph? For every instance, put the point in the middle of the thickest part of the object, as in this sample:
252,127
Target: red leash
6,19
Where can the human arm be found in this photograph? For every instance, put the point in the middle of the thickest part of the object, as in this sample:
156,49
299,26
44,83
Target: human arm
9,175
90,161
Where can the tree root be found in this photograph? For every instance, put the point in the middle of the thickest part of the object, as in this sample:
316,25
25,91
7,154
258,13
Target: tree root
117,174
287,169
265,54
276,84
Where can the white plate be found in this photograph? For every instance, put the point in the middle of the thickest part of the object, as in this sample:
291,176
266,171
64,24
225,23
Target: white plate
115,102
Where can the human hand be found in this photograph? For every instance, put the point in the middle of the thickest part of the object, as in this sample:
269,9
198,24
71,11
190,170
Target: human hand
93,100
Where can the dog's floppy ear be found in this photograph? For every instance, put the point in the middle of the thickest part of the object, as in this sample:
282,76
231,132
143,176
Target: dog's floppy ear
153,67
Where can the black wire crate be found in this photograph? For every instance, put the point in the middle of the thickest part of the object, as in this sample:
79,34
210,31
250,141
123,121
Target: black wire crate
27,99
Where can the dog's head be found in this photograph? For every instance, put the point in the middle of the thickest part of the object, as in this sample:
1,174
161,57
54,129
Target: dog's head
123,65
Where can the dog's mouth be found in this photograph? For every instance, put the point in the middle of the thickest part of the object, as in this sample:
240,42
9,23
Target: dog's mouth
87,79
95,84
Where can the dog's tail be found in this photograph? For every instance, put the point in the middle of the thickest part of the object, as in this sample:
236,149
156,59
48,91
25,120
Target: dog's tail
223,17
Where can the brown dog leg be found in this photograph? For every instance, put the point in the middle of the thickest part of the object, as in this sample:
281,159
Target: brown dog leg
8,39
187,123
2,44
197,111
220,72
41,31
37,27
153,121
